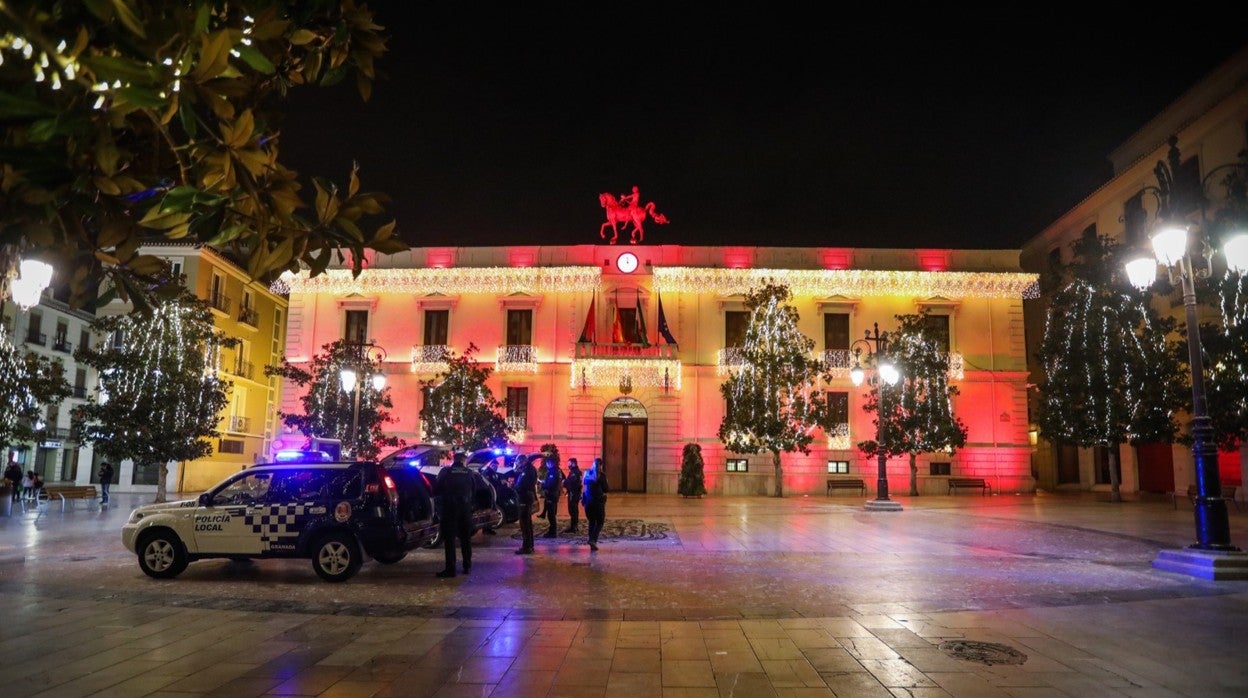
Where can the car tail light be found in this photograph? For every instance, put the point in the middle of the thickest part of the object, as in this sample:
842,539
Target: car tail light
387,484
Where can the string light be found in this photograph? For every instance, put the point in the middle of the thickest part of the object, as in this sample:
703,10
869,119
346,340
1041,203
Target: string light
849,282
838,437
497,280
601,373
429,358
516,358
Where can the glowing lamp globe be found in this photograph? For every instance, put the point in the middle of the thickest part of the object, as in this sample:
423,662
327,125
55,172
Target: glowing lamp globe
39,273
1142,272
1236,252
25,293
856,375
379,381
1170,244
347,376
889,373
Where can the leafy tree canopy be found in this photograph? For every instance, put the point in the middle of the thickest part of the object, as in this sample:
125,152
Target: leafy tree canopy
460,409
29,384
129,121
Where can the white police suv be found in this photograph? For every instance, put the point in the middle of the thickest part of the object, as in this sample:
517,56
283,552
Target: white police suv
331,513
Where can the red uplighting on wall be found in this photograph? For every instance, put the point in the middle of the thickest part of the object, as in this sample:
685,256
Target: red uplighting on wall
521,257
933,260
834,259
440,257
738,257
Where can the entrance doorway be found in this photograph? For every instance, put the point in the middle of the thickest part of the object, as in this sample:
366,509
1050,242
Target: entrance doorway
1156,461
624,427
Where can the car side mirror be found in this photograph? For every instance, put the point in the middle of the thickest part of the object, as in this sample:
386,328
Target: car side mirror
205,500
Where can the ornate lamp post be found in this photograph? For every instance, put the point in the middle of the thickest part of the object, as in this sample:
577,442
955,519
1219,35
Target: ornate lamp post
875,345
1212,556
363,356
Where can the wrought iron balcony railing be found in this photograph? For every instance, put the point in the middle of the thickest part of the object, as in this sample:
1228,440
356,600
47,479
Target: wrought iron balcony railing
429,358
61,344
728,359
242,369
590,350
518,423
248,316
80,391
36,338
219,301
240,424
516,358
838,436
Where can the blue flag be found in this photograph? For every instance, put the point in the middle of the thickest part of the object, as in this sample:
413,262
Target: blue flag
664,331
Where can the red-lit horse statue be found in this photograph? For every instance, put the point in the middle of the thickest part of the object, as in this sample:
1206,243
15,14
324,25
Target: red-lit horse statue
627,209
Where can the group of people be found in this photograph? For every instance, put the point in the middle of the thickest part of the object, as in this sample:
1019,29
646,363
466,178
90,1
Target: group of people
24,485
588,490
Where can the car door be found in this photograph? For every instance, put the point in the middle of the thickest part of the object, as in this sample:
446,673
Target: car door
223,524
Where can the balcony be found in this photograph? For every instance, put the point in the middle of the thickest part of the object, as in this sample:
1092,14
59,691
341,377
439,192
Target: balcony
240,424
249,317
219,302
838,437
518,423
80,391
956,366
623,366
429,358
516,358
36,338
838,361
728,359
243,369
61,344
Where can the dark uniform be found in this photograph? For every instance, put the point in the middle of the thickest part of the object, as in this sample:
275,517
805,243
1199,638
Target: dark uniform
595,500
453,488
526,496
552,487
572,485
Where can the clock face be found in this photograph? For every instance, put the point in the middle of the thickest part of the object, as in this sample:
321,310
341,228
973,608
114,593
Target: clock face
626,262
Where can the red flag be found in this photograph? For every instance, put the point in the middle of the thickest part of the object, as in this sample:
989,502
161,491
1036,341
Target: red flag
587,333
617,329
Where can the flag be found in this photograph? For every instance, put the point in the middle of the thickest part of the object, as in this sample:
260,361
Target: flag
642,335
664,331
587,333
617,329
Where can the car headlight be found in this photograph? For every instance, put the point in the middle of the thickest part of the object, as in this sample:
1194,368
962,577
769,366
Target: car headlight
136,516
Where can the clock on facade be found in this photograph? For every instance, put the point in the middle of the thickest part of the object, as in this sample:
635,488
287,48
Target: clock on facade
626,263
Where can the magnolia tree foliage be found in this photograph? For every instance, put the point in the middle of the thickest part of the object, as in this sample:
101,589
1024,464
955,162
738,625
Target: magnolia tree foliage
131,121
329,411
29,384
160,394
917,415
773,403
1110,375
460,410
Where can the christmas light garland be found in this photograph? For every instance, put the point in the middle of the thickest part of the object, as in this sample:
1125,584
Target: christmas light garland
516,358
854,283
838,437
429,358
658,373
498,280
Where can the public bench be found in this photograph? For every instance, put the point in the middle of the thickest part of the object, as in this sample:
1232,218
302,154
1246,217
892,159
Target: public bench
70,494
1228,494
846,484
970,482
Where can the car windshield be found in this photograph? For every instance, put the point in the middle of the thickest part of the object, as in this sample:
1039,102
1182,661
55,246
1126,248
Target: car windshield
248,489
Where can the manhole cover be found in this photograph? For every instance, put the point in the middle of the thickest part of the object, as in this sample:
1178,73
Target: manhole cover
989,653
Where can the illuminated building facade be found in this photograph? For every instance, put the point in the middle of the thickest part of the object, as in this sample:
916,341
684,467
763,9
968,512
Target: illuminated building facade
636,397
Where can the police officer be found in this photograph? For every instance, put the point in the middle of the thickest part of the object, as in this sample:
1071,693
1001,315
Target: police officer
454,490
572,484
552,487
526,496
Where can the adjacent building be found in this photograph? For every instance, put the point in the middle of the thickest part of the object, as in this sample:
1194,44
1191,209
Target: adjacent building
620,351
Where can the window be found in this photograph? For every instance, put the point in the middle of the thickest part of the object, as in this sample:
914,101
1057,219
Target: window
175,269
1134,219
937,328
628,323
34,329
277,324
519,327
735,322
62,334
836,331
84,339
234,446
216,292
838,407
80,382
69,464
356,330
518,407
738,465
118,340
247,489
1187,187
437,323
838,467
937,468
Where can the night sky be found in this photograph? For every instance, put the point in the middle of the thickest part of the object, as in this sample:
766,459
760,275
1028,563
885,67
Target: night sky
909,129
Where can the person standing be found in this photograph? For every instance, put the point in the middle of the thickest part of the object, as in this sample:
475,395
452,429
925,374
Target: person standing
572,485
526,496
552,487
453,488
595,500
106,480
13,474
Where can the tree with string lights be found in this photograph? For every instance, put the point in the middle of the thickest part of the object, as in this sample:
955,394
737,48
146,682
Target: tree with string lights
460,410
1110,375
918,415
773,401
329,411
29,384
160,393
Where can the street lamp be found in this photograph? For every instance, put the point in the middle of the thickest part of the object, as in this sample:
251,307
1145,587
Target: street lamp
886,375
361,357
24,281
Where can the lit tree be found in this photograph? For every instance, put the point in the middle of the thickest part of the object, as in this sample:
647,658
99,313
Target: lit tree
130,120
29,383
160,395
773,405
329,411
1110,376
918,411
460,409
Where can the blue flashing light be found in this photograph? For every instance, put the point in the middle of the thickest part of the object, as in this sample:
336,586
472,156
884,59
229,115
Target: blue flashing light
413,463
296,455
509,451
498,451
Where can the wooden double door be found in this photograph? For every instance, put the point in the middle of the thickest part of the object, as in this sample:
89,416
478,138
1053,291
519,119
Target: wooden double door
624,454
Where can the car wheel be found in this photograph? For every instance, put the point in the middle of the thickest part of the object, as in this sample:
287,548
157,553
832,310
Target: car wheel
162,555
389,557
336,557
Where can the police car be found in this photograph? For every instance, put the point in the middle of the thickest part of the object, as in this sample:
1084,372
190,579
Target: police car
333,513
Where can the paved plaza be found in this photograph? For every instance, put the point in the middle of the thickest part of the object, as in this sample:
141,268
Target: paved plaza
1027,596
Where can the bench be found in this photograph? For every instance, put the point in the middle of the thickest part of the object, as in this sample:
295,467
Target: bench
968,482
1228,494
846,484
69,493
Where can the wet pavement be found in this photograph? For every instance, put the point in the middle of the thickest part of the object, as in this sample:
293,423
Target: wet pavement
744,596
